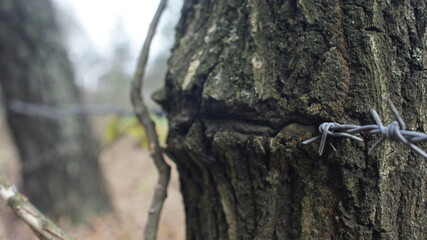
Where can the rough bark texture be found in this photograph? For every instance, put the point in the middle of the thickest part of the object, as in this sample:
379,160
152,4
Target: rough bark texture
249,80
60,169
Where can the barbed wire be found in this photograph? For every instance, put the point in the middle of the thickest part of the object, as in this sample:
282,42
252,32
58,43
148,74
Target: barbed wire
43,110
57,112
395,131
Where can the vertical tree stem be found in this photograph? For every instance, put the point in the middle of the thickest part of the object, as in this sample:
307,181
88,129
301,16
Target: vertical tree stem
160,193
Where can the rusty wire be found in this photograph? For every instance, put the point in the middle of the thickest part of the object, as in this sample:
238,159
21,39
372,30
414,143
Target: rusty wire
395,131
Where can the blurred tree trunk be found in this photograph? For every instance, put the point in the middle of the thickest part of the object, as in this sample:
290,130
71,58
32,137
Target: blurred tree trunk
249,80
60,169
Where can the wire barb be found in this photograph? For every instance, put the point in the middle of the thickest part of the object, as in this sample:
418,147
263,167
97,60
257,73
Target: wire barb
395,131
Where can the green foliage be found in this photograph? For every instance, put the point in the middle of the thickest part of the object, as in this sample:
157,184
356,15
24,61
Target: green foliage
130,126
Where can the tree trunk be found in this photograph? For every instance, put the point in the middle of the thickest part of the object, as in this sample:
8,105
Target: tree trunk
250,80
60,170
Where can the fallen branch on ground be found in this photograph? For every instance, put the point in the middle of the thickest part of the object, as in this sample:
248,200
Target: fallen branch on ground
42,227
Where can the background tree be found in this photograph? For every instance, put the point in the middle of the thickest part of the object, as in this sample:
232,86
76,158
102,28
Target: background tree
249,80
115,82
60,169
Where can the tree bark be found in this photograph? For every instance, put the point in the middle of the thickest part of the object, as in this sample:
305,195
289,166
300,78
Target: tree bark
60,169
250,80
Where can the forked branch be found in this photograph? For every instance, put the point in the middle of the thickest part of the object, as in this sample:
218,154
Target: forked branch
160,192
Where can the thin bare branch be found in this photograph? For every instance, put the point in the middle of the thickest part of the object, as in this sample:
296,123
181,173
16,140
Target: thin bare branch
160,192
42,227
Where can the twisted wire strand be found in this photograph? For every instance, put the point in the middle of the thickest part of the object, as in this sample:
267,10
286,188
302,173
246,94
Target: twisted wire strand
395,131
